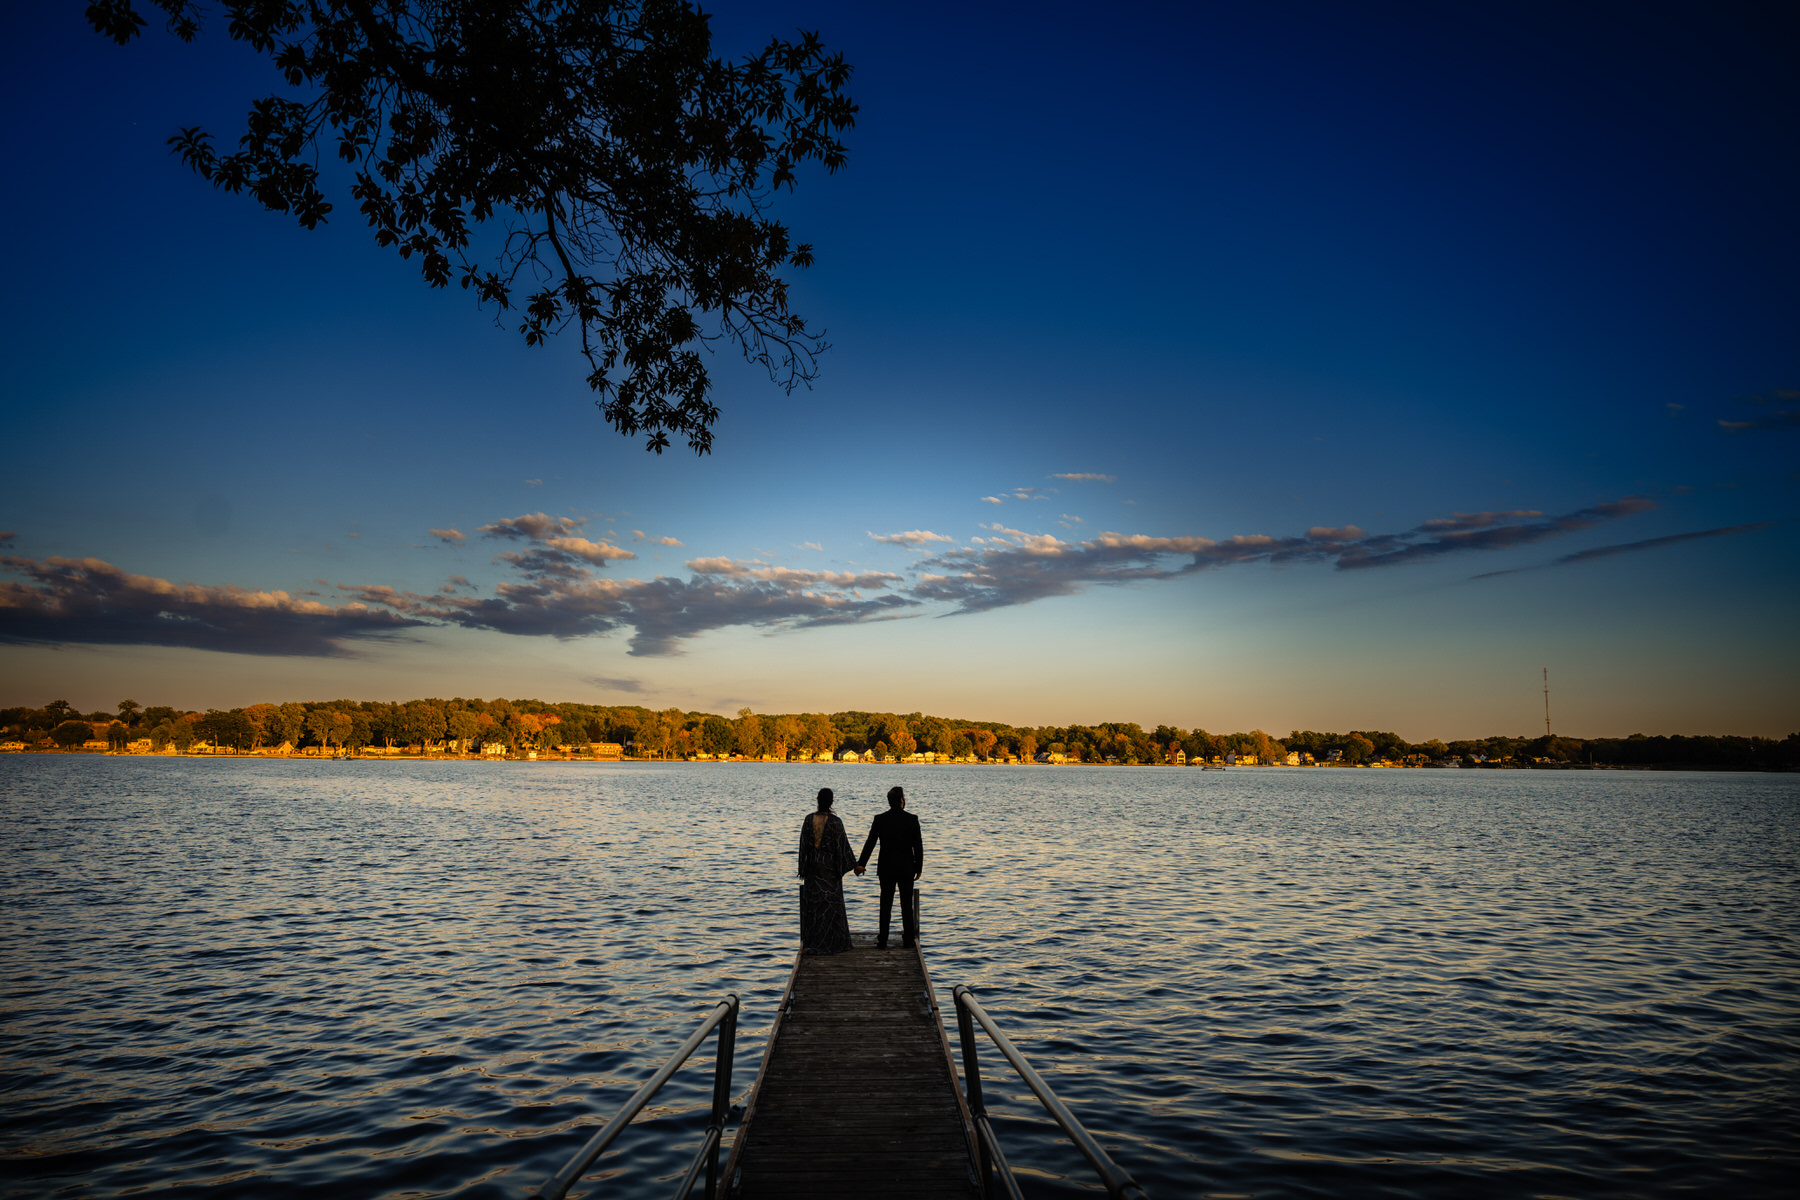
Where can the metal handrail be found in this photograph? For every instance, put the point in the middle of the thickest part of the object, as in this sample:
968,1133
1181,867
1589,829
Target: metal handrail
1119,1184
724,1019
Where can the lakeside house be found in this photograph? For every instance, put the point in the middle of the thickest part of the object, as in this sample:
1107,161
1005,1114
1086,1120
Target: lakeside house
626,751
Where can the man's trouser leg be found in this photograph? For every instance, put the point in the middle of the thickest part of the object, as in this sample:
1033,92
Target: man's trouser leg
909,916
887,910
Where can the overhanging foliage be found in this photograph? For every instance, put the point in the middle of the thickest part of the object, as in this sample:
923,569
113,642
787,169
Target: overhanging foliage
625,170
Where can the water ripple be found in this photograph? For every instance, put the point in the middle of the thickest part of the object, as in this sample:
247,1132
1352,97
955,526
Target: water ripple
430,979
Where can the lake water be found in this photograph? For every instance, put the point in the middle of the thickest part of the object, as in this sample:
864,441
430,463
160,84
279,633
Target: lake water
381,979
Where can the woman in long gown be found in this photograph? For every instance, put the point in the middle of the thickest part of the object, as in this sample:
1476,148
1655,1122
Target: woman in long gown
824,858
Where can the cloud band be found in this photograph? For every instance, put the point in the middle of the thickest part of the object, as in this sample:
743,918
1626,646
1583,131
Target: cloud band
554,590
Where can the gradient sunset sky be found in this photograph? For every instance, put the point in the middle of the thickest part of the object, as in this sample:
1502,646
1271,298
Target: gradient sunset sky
1278,365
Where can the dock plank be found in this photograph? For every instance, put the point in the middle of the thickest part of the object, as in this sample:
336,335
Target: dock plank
857,1096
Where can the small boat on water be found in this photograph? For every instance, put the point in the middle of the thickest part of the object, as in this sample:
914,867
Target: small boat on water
1212,766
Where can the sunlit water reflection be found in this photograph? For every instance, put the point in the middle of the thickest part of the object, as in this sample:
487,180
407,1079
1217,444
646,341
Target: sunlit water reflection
404,979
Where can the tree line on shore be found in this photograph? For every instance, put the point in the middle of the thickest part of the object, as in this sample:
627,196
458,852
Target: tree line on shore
470,725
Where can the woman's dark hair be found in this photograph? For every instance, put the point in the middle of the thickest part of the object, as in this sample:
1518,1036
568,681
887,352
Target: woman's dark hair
825,799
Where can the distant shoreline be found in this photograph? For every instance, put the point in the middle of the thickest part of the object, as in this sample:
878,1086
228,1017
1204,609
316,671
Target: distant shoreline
532,729
399,756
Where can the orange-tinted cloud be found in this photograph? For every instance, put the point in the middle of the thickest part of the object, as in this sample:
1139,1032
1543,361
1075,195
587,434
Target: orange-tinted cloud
91,602
1017,567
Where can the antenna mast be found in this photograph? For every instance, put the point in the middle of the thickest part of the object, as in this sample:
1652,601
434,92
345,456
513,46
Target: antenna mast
1546,701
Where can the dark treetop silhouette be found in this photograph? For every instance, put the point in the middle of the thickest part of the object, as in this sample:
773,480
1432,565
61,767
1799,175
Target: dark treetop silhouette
629,168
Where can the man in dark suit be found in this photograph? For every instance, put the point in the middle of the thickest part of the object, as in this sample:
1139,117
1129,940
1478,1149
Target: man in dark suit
902,861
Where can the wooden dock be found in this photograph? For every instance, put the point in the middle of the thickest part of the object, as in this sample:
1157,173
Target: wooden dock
857,1096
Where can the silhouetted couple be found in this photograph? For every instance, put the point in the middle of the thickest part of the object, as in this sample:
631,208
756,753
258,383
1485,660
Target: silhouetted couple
825,858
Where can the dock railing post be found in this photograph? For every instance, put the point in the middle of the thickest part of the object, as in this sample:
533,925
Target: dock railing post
724,1019
1118,1182
721,1106
965,1028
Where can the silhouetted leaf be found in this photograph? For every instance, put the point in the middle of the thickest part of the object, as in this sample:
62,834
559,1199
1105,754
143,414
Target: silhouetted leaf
624,167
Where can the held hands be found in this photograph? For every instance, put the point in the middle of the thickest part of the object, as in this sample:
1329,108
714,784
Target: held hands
859,868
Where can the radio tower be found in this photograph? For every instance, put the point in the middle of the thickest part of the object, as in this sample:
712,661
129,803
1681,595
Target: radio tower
1546,701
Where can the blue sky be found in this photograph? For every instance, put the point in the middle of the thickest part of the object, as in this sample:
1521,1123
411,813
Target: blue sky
1486,321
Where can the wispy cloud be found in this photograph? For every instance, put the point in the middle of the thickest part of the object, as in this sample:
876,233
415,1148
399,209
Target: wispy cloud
809,546
1654,543
731,568
555,546
553,591
534,527
1086,477
91,602
1015,567
1477,531
559,599
912,537
667,611
632,686
1780,410
553,588
1633,547
992,500
637,535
